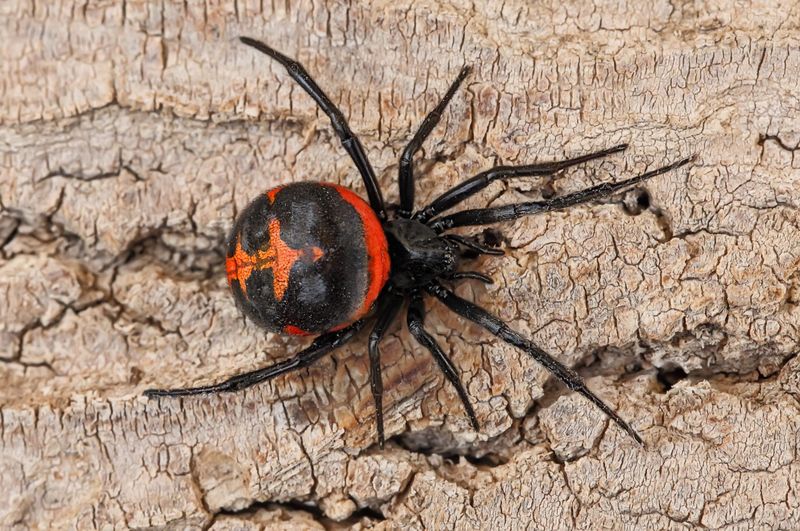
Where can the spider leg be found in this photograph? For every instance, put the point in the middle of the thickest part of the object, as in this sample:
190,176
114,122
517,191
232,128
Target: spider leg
473,244
386,314
473,275
350,142
407,159
415,319
498,328
485,216
321,346
472,186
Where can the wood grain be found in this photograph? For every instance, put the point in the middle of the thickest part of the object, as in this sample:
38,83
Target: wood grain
132,132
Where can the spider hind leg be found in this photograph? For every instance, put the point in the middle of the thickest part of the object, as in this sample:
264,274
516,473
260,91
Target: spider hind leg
322,345
349,140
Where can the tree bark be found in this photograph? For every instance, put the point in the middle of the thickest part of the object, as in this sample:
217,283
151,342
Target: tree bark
132,132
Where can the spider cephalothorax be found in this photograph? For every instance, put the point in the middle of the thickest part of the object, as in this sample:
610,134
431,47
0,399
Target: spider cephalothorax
314,258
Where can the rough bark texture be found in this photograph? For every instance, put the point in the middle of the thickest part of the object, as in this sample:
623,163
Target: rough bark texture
131,132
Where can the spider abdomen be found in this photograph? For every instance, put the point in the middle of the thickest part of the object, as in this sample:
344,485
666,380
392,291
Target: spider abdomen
307,258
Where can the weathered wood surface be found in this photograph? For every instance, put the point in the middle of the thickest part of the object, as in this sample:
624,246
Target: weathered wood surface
131,132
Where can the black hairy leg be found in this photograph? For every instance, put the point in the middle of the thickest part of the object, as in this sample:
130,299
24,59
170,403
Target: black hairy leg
322,345
406,173
389,307
350,141
416,322
485,216
472,186
497,327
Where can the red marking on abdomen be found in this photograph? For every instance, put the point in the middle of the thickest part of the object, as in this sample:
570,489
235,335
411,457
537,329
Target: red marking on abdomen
272,192
278,256
231,269
295,331
377,250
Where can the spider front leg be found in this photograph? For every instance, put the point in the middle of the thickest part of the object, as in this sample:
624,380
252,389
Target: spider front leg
350,141
406,176
495,326
321,346
416,320
485,216
471,275
471,243
475,184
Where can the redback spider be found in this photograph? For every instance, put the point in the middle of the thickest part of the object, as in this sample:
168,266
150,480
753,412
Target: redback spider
314,258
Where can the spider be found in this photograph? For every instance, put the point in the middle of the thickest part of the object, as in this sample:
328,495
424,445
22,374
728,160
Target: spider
315,259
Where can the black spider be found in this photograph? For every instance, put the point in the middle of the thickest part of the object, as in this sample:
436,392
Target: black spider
312,258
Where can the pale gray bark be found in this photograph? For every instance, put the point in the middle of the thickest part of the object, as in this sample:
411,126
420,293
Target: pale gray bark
131,132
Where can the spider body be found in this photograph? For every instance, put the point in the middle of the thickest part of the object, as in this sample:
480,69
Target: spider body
312,258
306,258
419,255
